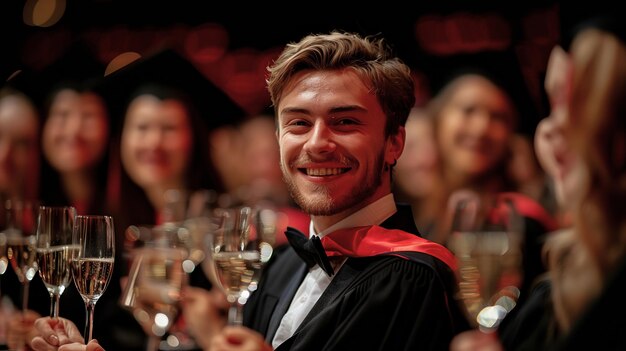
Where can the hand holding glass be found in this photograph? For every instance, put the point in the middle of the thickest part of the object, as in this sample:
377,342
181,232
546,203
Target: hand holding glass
93,266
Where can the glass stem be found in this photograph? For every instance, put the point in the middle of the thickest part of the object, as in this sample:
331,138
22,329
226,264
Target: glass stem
25,289
90,306
54,305
235,315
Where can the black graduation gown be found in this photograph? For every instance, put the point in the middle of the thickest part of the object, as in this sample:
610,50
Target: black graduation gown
373,303
600,327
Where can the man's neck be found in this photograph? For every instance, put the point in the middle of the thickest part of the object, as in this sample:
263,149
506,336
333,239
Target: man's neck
372,214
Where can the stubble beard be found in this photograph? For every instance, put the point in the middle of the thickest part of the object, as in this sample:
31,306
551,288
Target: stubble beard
321,202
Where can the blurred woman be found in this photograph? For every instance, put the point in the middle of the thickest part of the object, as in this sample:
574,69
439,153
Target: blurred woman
166,107
75,144
75,135
586,264
19,173
19,145
475,116
74,148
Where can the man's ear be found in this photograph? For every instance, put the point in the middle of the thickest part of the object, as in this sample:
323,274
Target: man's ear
395,146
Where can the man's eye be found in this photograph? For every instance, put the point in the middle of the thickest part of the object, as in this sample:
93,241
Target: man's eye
346,121
298,123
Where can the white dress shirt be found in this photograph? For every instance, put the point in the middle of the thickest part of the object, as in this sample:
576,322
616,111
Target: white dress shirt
316,281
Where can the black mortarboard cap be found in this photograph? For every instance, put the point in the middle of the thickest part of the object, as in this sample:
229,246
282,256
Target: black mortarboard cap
24,81
168,69
501,67
76,68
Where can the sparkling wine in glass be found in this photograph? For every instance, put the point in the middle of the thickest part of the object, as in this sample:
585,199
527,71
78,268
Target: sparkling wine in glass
55,250
197,226
237,255
20,240
93,266
4,260
487,239
155,282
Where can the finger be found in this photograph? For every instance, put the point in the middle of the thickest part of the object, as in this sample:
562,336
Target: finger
73,347
73,334
45,329
218,343
93,345
39,344
62,333
475,341
245,339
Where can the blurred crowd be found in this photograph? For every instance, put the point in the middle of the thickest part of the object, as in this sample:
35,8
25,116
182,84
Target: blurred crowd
119,144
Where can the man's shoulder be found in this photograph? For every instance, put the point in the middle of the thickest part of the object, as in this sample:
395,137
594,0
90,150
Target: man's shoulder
414,269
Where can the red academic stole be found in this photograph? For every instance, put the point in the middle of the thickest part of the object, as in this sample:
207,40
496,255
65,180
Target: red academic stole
374,240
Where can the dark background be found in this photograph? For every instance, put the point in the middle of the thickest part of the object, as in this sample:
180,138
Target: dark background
232,43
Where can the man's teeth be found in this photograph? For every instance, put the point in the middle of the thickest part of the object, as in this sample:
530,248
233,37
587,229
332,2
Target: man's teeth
325,171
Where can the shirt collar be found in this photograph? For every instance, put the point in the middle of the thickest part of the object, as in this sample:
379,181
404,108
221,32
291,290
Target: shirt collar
372,214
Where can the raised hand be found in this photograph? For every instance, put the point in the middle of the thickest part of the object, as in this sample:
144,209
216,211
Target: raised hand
21,329
237,338
475,340
52,333
205,313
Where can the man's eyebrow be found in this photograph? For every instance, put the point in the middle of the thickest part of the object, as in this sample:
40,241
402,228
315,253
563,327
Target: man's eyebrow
347,108
295,110
336,109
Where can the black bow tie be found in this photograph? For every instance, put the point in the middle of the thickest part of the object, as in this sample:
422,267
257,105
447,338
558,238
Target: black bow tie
310,250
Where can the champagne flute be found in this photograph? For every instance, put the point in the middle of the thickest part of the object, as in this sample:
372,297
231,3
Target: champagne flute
486,237
55,250
236,257
4,260
197,226
93,266
155,282
20,238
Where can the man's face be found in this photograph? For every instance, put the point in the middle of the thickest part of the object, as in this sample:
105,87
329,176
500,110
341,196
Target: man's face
332,143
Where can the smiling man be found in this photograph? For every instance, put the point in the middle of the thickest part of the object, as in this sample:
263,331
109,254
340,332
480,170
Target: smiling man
365,279
341,102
